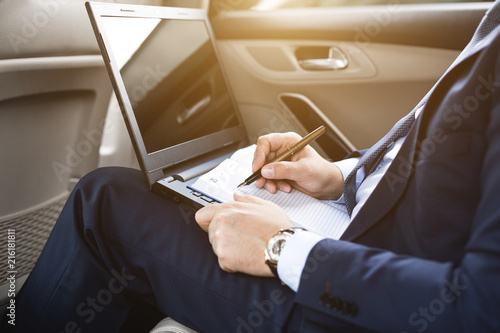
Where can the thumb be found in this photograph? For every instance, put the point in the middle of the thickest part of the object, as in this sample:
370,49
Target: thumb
281,170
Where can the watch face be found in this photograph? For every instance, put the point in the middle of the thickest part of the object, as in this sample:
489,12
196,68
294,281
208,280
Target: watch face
276,246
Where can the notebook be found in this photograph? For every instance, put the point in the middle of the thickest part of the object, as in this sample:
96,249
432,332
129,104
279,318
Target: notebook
324,217
172,91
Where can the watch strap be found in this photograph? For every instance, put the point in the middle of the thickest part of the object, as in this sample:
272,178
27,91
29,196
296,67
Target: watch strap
273,267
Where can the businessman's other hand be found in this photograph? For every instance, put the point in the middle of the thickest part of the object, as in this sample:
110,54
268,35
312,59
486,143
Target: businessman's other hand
239,232
307,171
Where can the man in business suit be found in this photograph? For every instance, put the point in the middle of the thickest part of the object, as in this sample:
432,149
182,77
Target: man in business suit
422,252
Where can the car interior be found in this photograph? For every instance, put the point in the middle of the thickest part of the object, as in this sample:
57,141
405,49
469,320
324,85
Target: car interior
291,65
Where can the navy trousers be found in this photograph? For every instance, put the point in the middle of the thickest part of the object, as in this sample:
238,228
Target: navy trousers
117,244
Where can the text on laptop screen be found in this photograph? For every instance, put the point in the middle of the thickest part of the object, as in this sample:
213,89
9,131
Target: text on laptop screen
172,78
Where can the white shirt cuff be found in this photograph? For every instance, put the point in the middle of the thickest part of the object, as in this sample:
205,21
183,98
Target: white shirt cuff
293,258
345,166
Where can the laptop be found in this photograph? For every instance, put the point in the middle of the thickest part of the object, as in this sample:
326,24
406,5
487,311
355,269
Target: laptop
172,91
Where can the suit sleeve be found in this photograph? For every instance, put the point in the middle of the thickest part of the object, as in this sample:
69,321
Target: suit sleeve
345,284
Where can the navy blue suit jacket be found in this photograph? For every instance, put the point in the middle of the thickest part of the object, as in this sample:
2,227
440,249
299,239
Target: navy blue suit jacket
423,254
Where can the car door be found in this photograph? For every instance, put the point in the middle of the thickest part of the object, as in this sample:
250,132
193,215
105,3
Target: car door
54,96
387,57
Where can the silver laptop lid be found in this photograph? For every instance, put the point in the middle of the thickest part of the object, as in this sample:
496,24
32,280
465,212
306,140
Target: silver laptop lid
168,80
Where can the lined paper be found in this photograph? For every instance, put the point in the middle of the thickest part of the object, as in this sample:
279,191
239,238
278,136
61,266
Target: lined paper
321,216
324,217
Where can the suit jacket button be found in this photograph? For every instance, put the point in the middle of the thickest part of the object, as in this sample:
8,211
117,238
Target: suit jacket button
337,304
334,303
343,308
352,308
325,300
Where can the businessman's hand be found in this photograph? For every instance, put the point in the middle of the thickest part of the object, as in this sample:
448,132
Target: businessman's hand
239,232
307,171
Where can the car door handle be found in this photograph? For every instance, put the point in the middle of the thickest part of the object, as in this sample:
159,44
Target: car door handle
336,60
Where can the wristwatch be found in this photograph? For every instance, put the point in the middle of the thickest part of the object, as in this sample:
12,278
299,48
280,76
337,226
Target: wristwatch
276,245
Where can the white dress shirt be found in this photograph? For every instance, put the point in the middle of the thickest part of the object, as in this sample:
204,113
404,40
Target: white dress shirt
293,258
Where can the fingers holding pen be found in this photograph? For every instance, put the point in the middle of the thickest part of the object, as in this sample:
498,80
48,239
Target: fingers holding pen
271,145
275,175
268,147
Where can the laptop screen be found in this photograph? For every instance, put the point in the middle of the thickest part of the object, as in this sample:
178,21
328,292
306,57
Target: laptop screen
172,78
171,88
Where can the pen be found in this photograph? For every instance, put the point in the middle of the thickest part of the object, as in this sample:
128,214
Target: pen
287,153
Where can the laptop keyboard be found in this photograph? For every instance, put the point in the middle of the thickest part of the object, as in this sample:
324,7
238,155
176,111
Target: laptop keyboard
203,197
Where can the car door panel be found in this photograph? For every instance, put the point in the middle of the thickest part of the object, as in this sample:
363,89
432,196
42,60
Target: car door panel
373,86
387,75
439,25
